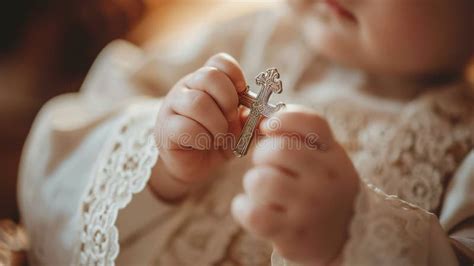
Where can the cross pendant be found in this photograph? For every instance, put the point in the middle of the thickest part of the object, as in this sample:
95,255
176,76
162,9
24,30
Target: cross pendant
270,82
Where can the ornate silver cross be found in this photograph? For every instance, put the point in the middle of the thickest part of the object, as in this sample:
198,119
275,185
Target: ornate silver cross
269,82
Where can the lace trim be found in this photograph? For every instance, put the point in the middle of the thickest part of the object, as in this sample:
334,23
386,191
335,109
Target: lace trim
386,229
130,157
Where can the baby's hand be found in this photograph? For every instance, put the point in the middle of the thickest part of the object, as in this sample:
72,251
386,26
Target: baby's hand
298,196
200,110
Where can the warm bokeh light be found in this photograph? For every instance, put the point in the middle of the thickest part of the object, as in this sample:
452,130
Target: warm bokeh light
470,72
167,21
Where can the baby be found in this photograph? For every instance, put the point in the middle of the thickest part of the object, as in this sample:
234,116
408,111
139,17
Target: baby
302,200
381,83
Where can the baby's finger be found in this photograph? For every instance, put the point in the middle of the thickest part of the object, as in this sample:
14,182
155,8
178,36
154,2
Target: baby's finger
200,107
270,186
257,219
227,64
316,140
184,133
288,153
192,172
218,85
298,120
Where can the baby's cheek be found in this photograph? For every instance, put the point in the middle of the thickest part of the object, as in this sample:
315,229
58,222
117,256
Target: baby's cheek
414,37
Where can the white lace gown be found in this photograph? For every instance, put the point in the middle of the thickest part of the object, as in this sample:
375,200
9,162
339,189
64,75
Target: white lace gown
86,163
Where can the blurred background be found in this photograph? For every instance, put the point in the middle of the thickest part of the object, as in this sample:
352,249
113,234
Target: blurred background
47,47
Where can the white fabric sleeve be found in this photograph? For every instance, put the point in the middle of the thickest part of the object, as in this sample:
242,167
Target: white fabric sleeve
74,179
123,169
386,230
457,214
66,157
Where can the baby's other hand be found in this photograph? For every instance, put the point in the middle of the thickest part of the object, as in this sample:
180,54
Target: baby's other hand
193,125
300,192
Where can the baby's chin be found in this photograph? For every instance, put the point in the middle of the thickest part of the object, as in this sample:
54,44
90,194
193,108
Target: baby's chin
343,47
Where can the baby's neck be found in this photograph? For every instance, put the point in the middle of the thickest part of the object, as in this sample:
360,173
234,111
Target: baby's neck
405,89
